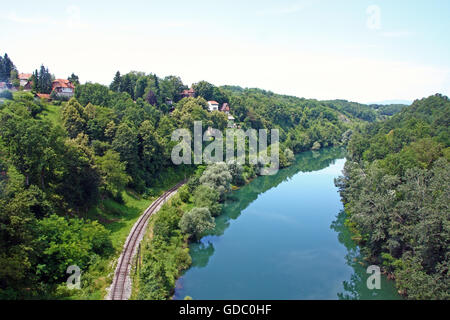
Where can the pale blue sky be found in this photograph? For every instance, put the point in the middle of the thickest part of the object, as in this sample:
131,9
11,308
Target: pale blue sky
352,49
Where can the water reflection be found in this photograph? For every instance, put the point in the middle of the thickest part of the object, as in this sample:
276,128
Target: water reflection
356,287
239,200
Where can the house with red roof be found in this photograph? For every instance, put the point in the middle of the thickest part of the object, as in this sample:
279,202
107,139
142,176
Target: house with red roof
225,108
188,93
63,88
213,105
24,79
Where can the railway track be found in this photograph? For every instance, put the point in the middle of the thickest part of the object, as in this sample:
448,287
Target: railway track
121,285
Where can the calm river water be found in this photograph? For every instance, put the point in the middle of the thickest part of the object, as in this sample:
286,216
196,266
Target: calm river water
283,237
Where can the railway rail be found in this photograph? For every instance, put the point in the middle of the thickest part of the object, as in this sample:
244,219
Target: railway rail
121,285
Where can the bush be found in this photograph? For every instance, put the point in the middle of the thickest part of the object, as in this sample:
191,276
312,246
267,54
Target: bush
66,242
184,193
218,178
236,170
207,197
196,221
316,146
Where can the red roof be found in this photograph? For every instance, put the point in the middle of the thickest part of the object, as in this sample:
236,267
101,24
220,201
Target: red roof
62,83
25,76
213,102
43,96
188,93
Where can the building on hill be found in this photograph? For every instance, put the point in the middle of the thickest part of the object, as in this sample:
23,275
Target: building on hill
188,93
213,106
225,108
28,86
63,88
24,79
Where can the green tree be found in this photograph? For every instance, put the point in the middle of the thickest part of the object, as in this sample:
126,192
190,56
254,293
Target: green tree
171,88
236,170
44,81
73,118
6,66
80,178
65,242
218,178
74,79
207,197
141,85
113,173
94,93
204,89
116,83
14,78
18,234
126,144
196,221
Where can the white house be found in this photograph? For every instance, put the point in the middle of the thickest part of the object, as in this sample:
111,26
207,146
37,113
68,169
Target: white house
213,105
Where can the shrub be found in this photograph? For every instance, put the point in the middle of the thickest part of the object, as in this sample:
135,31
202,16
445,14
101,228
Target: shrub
196,221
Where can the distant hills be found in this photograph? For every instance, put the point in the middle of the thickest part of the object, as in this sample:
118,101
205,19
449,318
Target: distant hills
388,102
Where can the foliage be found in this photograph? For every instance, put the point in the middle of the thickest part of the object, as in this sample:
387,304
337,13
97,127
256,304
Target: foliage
396,190
237,173
165,256
74,79
196,221
207,197
113,174
218,178
65,242
6,67
42,80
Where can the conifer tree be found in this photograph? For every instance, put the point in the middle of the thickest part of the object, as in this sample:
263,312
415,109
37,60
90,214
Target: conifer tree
116,84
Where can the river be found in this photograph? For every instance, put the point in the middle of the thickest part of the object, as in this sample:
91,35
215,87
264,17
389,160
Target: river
283,237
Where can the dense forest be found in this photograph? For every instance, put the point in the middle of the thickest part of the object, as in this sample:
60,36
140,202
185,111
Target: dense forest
75,175
396,193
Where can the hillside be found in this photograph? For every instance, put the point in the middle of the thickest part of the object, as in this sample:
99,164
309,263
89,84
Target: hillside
396,189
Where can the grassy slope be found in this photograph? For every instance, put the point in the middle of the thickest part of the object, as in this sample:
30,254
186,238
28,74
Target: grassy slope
51,113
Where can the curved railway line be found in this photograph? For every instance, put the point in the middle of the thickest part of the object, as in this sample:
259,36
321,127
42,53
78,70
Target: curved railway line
121,285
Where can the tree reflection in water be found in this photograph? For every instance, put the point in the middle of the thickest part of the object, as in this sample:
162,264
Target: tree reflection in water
356,287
